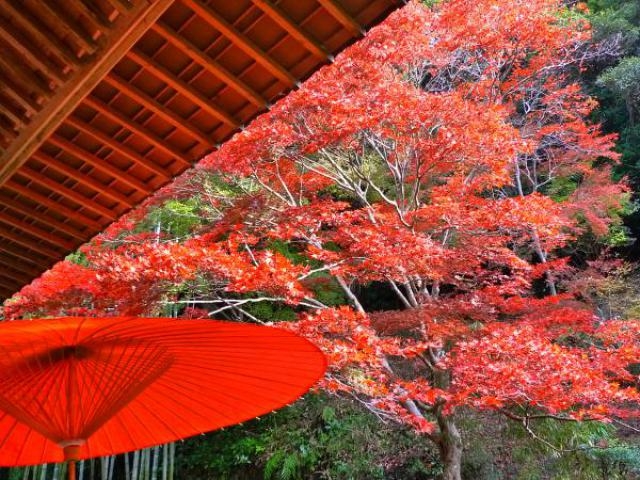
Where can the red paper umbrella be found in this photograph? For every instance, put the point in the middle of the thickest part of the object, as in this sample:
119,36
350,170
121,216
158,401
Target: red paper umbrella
74,388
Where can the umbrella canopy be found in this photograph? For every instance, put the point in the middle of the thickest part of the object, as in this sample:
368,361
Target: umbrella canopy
73,388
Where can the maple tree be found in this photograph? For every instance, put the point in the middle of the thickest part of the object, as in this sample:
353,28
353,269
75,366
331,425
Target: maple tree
423,161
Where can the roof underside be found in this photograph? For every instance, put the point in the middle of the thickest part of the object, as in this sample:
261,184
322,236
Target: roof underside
102,102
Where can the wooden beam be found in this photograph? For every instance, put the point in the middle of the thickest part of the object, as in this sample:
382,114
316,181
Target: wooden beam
241,41
35,231
17,273
20,17
52,205
209,64
121,148
126,31
27,80
84,179
66,27
31,54
134,127
97,22
98,163
282,19
66,192
19,266
13,117
9,89
183,88
48,220
25,257
120,7
21,239
157,108
340,14
6,281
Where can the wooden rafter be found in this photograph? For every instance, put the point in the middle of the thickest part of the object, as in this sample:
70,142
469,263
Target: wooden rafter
30,243
123,36
15,273
26,50
78,176
241,41
7,283
98,163
183,88
340,14
133,127
209,64
24,78
282,19
66,27
20,207
53,205
9,88
20,17
66,192
119,147
17,251
35,231
157,108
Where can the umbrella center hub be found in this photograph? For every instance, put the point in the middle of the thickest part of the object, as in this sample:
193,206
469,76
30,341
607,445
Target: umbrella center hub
68,352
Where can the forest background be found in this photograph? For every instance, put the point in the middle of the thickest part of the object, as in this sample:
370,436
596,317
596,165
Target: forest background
451,215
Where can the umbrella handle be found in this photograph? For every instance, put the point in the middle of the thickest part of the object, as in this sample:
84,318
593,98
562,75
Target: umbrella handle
71,455
71,466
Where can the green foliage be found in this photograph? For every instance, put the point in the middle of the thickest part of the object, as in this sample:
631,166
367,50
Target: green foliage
270,311
177,218
78,258
616,17
590,448
623,79
561,188
319,437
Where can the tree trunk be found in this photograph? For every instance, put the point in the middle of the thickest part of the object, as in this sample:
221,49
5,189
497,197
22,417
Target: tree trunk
450,447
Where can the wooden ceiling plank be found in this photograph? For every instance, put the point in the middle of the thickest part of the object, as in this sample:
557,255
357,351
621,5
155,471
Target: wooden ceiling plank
120,7
52,205
98,23
66,192
99,164
67,27
18,266
11,91
24,257
340,14
76,175
282,19
136,128
125,32
158,109
24,78
7,133
16,119
19,16
35,58
7,285
183,88
115,145
209,64
21,239
35,231
41,217
18,262
10,270
241,41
